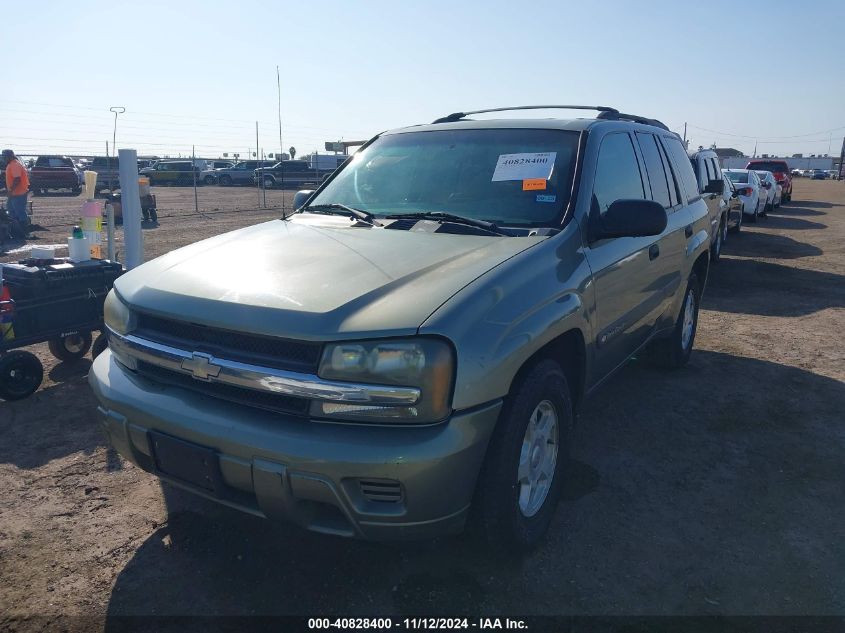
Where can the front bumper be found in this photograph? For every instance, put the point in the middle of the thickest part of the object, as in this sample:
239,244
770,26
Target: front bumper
315,474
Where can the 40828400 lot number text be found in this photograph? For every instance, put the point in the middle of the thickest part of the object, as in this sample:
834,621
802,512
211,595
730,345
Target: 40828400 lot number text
415,624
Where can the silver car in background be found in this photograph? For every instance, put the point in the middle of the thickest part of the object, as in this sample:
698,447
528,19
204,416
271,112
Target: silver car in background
774,192
751,192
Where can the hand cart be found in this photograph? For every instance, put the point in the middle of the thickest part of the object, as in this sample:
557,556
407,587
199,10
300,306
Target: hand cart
57,302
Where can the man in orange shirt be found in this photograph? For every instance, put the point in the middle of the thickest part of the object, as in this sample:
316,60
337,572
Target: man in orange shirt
17,187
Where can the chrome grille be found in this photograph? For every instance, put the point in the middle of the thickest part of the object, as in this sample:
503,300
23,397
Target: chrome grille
249,348
272,402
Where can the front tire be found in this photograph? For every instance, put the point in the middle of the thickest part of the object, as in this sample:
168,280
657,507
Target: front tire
674,352
100,345
225,181
520,482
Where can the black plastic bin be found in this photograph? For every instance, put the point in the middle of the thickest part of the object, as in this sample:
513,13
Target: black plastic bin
61,296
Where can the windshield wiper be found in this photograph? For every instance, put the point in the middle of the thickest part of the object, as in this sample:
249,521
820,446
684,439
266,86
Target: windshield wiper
448,217
341,209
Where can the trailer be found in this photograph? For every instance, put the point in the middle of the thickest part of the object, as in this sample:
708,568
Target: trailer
54,301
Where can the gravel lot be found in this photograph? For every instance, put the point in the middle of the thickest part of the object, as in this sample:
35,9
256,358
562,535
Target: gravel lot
714,490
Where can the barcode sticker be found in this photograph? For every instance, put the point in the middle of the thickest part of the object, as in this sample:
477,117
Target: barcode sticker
533,184
524,166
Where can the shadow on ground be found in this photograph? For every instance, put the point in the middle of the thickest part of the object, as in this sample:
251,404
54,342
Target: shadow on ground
749,286
783,222
701,498
759,244
53,422
817,204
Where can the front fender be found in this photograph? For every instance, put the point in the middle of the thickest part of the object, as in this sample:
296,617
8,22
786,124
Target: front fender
502,319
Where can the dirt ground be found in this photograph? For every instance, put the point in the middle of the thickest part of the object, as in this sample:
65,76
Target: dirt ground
714,490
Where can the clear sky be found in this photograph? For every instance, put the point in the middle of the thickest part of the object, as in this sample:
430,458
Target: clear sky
202,73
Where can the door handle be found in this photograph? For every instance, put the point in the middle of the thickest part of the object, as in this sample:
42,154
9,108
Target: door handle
688,231
653,252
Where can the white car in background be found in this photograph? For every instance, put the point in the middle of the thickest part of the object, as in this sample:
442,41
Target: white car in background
750,190
774,192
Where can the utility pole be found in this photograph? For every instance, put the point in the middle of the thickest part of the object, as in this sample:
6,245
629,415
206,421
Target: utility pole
194,172
117,110
261,165
685,135
281,145
279,92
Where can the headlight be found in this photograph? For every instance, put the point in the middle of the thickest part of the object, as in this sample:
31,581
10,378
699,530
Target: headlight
117,314
425,363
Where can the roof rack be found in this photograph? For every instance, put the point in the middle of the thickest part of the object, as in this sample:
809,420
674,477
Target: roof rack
457,116
621,116
604,112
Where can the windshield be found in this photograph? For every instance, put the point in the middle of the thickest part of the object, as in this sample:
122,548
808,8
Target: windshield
506,176
738,176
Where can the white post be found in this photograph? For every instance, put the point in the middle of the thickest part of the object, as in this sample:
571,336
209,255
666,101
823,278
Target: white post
130,199
110,230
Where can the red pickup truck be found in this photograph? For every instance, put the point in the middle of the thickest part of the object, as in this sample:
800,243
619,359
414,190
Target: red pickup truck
54,172
781,173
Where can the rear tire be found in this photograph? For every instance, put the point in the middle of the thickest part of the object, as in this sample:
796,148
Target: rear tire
738,226
208,180
674,352
520,482
721,236
21,374
70,348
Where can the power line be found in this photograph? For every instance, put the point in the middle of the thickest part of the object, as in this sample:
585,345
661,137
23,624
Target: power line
772,139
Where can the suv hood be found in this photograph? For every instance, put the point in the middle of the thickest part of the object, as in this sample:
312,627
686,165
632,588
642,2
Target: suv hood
315,277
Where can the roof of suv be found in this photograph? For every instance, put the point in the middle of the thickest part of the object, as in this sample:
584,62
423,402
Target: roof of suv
574,125
606,115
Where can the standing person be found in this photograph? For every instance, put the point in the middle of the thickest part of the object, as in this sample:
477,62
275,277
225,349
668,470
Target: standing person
17,187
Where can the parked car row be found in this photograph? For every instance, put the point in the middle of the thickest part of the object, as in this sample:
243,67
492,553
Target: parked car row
733,195
815,174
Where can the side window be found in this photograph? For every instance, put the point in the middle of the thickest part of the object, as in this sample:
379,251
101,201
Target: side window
717,170
617,172
674,195
654,168
711,175
683,169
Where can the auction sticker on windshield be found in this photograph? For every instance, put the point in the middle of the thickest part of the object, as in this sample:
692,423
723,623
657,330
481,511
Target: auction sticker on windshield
524,166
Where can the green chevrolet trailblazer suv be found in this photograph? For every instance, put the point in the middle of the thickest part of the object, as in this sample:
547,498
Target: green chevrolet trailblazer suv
409,349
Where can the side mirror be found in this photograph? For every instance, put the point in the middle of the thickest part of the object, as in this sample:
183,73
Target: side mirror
632,218
715,186
300,198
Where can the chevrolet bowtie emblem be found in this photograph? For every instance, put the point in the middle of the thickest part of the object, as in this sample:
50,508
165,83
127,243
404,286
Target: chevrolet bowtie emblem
200,366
